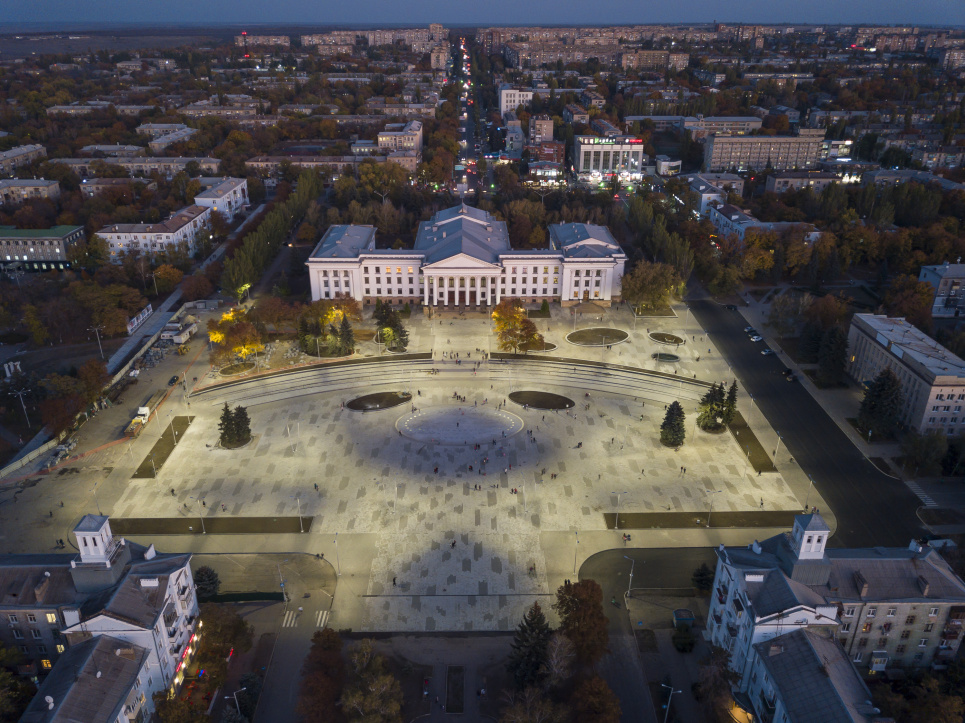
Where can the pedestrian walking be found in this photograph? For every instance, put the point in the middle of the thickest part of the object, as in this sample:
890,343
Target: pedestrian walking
393,582
762,503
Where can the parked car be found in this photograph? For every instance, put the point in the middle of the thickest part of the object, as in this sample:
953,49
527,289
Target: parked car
757,337
174,380
730,307
767,352
748,329
790,377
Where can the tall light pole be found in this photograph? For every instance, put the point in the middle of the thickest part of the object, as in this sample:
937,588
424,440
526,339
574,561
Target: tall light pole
174,433
672,691
779,438
337,562
299,503
97,332
618,494
96,501
200,513
630,584
810,485
235,696
20,394
575,548
281,581
712,493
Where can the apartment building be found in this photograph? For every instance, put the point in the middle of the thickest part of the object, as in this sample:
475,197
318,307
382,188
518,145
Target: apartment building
153,238
112,150
156,130
605,128
730,220
271,165
654,61
702,126
932,378
249,41
462,258
14,191
159,143
540,129
100,680
947,281
510,98
20,156
402,137
726,152
143,166
439,57
713,188
90,107
113,587
210,110
597,158
37,249
892,177
227,196
592,99
784,181
90,187
805,674
886,607
573,113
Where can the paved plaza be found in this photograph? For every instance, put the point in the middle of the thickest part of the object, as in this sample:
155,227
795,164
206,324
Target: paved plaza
458,500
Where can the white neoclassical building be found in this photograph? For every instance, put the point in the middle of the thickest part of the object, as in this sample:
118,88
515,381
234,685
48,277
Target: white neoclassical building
462,258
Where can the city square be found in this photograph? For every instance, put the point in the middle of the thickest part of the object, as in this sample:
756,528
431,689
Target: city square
522,492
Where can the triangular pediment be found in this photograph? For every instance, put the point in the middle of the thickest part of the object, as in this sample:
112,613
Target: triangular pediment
461,261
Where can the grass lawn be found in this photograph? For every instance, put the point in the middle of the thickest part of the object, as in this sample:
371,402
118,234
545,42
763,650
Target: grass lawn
660,311
663,338
190,524
545,346
696,520
538,314
455,689
364,334
596,336
239,368
874,439
162,448
759,458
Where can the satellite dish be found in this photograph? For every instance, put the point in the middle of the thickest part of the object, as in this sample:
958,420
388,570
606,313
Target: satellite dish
50,702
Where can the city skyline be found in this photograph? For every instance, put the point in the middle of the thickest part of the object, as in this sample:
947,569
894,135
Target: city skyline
105,13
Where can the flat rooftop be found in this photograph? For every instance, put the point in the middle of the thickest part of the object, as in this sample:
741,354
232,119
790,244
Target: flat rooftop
903,339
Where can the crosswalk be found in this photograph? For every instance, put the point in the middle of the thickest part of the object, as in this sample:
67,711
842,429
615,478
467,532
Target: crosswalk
916,488
292,617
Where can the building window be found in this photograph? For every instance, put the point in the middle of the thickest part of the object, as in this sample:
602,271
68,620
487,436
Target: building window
910,620
45,664
862,642
891,612
857,657
17,635
60,648
923,643
872,612
849,612
31,618
905,634
866,628
845,627
12,619
932,612
35,634
899,650
929,627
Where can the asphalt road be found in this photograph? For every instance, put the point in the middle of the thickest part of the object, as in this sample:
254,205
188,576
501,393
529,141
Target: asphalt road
871,508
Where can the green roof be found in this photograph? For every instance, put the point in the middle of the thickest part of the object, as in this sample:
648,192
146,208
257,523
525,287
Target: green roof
52,232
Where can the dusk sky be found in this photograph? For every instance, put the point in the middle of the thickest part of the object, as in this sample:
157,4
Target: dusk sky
495,12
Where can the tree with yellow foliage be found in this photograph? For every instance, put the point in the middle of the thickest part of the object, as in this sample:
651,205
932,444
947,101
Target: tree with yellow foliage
514,330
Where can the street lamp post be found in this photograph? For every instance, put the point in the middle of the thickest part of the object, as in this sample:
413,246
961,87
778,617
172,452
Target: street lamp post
618,494
630,584
810,486
174,432
200,513
299,503
338,564
20,394
281,581
779,438
576,547
712,493
672,691
235,696
97,333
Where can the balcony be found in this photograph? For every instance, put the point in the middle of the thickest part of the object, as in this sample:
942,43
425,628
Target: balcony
765,708
732,630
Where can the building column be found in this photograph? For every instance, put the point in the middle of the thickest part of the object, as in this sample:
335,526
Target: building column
467,287
425,290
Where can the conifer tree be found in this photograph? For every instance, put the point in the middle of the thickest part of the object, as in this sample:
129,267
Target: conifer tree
673,431
346,337
881,407
242,425
730,404
227,427
527,659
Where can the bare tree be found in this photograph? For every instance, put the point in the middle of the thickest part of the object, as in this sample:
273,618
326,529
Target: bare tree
560,655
